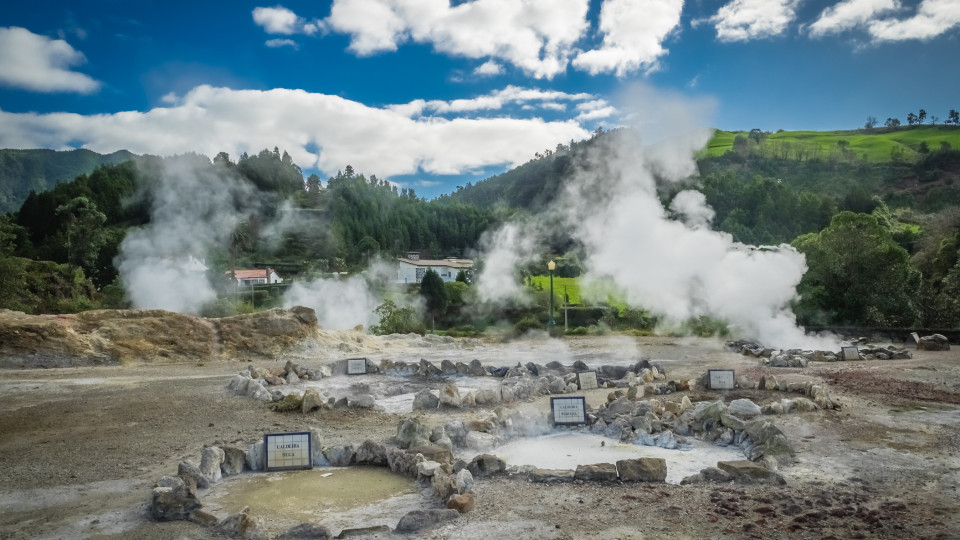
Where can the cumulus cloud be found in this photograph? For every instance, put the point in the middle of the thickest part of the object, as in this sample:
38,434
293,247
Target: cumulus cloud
742,20
535,35
488,68
850,14
933,18
633,34
595,109
38,63
318,130
280,20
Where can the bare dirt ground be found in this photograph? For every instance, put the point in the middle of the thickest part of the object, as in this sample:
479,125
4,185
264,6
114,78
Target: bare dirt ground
80,448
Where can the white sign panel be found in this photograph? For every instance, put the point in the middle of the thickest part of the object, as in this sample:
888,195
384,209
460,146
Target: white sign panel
850,353
569,410
288,451
587,380
356,366
721,379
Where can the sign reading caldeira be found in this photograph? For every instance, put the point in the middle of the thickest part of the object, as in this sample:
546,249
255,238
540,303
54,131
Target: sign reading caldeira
720,379
286,451
569,410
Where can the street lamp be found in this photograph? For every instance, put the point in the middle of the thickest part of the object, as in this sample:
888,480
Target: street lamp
551,323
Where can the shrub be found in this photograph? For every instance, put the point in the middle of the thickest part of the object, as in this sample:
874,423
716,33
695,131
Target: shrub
528,323
397,320
290,403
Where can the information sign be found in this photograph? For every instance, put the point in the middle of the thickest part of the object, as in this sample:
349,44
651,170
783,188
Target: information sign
850,353
569,410
721,379
587,380
285,451
356,366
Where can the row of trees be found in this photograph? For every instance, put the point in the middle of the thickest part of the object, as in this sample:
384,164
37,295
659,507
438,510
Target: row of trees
915,119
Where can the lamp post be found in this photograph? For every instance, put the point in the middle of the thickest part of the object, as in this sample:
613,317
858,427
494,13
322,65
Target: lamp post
550,322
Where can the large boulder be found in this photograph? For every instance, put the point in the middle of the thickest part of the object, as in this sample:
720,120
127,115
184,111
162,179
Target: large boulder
371,453
190,470
417,520
486,465
642,470
234,459
211,458
450,396
598,472
935,342
312,400
173,499
425,400
744,408
341,456
410,432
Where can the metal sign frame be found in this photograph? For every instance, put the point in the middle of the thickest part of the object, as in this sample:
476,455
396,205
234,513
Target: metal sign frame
354,369
851,349
733,378
282,463
558,404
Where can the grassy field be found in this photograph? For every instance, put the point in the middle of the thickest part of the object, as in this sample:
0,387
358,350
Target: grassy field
878,144
561,286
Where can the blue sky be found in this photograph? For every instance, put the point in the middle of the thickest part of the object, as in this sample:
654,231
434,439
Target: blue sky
431,94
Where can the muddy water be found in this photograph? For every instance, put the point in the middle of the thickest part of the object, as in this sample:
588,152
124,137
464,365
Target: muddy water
333,496
567,450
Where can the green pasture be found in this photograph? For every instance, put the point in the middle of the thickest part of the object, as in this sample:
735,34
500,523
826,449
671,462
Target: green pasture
875,145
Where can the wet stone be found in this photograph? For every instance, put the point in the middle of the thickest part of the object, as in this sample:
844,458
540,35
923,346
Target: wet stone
598,472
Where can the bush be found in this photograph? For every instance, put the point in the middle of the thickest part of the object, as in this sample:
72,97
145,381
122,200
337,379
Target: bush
290,403
578,331
528,323
397,320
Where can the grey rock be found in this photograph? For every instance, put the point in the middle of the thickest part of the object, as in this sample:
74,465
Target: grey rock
371,453
234,460
211,458
465,482
450,396
306,531
598,472
255,456
188,469
417,520
292,378
362,401
427,468
243,525
366,533
642,470
750,472
476,440
312,400
425,400
744,408
410,432
427,369
316,448
476,369
552,476
340,456
486,465
173,499
448,368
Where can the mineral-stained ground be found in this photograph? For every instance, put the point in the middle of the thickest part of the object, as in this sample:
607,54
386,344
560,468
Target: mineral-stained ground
82,446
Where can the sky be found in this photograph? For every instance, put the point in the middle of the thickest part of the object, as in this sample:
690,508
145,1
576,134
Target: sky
432,94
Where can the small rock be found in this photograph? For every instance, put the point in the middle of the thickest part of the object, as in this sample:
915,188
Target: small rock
462,503
417,520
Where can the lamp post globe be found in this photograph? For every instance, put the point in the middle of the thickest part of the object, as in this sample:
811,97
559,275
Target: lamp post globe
551,323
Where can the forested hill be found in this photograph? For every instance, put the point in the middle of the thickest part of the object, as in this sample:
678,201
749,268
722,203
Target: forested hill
23,171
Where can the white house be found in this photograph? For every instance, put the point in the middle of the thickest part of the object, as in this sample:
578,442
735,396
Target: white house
412,268
257,276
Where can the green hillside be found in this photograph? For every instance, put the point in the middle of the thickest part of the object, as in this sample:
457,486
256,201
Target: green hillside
23,171
873,145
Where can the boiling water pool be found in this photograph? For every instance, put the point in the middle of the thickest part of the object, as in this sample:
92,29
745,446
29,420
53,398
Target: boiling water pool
338,497
567,450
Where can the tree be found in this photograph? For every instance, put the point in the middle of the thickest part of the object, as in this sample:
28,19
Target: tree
396,320
857,274
82,227
892,122
462,277
953,117
740,145
921,116
911,119
434,294
871,122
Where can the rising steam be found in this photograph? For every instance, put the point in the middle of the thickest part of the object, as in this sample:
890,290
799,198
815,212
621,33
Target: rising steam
677,269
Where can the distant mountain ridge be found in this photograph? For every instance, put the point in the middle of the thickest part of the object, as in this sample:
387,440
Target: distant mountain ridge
23,171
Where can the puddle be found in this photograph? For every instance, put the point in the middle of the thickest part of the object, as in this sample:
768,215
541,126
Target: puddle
338,497
567,450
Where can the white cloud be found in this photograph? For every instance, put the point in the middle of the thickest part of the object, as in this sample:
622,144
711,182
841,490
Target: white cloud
742,20
280,20
933,18
488,68
34,62
596,109
535,35
850,14
496,100
633,35
281,42
318,130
